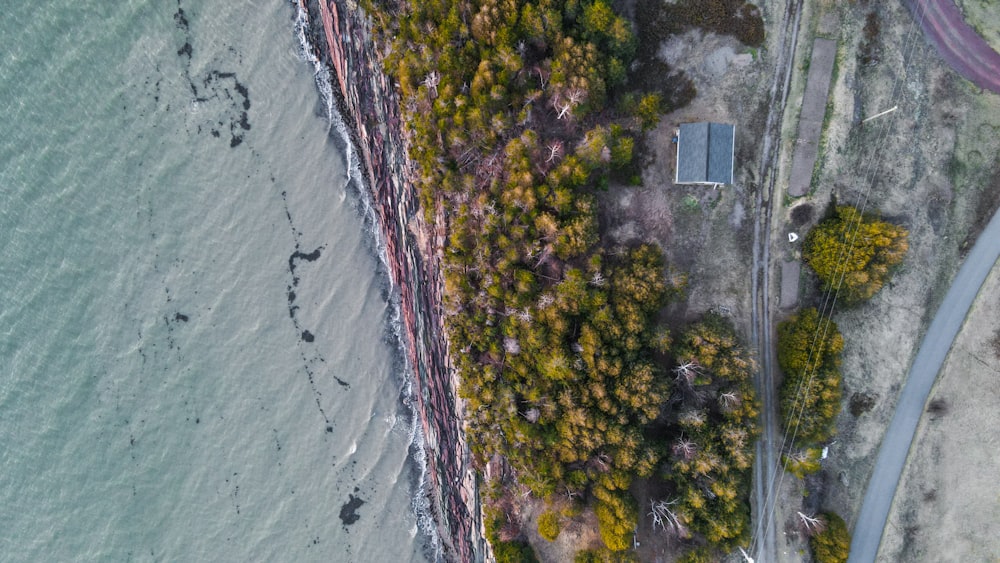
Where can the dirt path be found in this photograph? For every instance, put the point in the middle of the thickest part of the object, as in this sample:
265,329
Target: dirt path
936,343
763,546
960,46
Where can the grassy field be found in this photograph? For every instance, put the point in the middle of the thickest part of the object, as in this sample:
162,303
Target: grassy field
984,17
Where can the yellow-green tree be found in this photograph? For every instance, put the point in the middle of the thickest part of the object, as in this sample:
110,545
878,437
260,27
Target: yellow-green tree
802,463
833,543
809,350
617,517
853,253
548,525
713,452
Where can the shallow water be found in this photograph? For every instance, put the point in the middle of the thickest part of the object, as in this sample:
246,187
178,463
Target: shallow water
197,353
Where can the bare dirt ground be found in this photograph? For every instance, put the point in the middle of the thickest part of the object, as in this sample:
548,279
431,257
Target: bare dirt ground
577,533
947,505
705,232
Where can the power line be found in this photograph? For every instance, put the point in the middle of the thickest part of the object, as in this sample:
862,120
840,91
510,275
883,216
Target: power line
827,308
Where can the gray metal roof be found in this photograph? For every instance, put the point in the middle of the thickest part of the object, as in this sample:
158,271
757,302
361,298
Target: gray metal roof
705,153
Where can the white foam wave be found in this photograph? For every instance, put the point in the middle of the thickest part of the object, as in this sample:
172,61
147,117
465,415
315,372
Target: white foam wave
420,502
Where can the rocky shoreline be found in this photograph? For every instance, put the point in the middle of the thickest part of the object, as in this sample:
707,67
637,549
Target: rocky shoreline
340,37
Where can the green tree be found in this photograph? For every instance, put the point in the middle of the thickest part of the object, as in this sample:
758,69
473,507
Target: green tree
833,543
604,555
513,552
854,254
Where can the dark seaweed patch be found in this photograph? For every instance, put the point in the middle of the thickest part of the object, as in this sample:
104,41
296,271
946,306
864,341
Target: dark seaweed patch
221,87
180,18
312,358
349,511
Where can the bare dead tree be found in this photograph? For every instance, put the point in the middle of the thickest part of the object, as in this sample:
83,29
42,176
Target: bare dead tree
576,96
543,76
687,372
603,461
555,150
692,418
664,516
684,448
605,154
531,415
729,400
798,456
563,108
811,524
737,437
431,81
598,279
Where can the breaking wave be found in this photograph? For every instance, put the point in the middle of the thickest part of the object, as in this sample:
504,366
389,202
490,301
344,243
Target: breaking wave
355,178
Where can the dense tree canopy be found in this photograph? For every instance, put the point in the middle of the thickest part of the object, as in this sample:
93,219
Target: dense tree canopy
716,415
809,350
854,254
515,112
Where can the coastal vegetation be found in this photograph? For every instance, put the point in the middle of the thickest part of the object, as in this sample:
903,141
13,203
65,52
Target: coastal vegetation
515,114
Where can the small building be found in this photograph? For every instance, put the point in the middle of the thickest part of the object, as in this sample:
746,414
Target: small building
705,153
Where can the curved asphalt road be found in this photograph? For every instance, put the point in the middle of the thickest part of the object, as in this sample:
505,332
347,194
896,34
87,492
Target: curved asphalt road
960,46
974,59
935,346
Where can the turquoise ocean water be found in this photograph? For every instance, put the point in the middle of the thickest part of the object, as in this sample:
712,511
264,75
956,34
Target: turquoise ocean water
197,353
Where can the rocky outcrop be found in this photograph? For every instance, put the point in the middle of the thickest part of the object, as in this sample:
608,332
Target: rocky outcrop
368,104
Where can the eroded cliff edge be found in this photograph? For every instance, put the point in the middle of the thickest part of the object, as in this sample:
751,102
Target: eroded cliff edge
340,37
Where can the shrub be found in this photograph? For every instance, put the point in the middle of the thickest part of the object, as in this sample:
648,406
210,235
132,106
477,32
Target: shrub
548,525
617,518
514,552
701,554
604,555
802,463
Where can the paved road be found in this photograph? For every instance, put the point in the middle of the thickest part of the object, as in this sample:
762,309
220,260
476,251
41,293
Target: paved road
935,346
960,46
